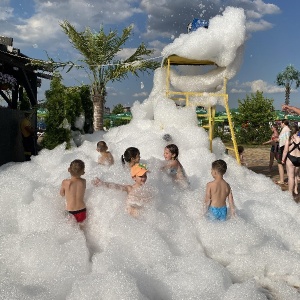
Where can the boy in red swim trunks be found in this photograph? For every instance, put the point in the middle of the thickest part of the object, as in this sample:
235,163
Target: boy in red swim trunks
73,189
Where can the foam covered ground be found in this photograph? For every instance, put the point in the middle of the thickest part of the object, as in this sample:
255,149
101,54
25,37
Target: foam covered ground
171,251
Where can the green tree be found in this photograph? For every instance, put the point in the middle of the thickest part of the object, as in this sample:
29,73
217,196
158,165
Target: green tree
252,119
118,109
286,78
56,132
24,104
99,51
87,106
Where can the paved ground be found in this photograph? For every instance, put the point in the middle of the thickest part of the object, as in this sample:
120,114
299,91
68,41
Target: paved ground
257,159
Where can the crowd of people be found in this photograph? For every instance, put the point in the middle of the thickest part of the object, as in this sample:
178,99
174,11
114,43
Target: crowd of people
218,191
285,149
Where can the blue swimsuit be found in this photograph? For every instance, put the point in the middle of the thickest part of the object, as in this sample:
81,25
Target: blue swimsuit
217,213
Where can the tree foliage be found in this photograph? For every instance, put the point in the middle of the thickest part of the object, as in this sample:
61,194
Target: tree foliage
287,78
99,51
252,121
56,98
64,105
118,109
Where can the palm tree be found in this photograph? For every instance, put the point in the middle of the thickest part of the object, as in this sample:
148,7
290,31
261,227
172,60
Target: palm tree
99,54
286,79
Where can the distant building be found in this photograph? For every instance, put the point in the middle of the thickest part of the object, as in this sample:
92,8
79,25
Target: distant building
126,108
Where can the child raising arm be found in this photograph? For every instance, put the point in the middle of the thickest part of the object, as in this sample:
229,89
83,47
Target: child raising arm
137,197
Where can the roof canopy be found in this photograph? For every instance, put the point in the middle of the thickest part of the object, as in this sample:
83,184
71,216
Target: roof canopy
20,66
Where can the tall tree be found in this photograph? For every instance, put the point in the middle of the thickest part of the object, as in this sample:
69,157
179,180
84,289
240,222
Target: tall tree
99,51
286,78
252,120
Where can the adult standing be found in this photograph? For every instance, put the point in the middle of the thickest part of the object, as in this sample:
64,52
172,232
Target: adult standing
291,157
27,131
283,137
274,145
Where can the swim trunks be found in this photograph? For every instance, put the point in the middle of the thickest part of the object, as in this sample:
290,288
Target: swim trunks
274,148
217,213
280,154
80,215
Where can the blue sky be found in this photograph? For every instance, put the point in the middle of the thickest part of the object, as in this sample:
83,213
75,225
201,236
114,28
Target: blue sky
272,43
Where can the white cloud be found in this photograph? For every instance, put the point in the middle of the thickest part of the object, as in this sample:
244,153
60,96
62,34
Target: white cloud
6,11
258,26
254,86
237,91
142,94
262,86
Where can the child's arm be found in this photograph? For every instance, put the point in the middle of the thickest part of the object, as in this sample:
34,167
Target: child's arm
231,203
207,199
62,189
111,185
285,151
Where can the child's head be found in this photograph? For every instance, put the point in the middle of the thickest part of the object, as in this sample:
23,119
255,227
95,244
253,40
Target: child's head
274,127
139,173
219,166
294,130
241,149
76,168
171,152
101,146
131,155
285,122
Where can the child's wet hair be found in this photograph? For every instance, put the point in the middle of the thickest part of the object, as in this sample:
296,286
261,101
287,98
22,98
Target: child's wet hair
130,153
220,166
173,149
241,149
101,146
76,167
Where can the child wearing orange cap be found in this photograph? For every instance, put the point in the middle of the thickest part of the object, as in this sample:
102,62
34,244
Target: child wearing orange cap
137,197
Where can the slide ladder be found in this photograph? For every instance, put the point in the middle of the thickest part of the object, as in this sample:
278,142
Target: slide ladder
184,99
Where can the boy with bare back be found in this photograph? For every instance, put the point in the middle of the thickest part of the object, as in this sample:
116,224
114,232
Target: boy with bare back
105,157
73,189
137,195
217,191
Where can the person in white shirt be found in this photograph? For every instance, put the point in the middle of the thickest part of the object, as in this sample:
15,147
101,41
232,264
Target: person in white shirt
283,137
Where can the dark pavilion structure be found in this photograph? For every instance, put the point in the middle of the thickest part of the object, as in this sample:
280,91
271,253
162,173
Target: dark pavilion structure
28,76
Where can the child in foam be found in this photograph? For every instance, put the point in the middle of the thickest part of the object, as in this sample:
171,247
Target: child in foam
241,151
217,192
173,167
131,156
105,157
137,196
74,189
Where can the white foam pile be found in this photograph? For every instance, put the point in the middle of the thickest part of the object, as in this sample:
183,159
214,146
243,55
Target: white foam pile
171,251
221,43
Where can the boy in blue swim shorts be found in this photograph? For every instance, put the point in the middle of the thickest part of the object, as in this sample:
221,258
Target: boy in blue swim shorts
217,192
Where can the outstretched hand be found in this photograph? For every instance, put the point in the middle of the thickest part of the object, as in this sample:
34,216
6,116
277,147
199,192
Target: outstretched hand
97,182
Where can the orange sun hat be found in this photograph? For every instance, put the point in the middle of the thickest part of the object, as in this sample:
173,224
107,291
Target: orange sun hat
138,170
